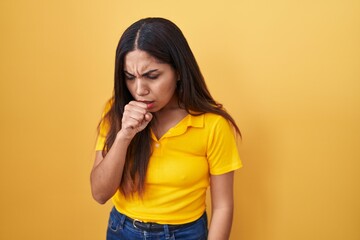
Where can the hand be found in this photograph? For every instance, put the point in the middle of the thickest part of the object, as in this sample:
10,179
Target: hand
136,117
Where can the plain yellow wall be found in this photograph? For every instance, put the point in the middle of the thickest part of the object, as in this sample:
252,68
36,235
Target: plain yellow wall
288,71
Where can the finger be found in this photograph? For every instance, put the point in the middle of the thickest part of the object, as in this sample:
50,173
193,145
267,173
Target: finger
138,104
135,111
131,123
131,114
131,108
148,117
136,117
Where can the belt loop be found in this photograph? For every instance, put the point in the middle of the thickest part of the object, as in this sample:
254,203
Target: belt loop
122,220
166,232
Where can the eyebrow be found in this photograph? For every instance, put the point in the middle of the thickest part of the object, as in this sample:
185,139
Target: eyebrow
144,74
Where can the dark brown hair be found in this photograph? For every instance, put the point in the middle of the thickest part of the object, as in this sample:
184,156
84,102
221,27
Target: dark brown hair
163,40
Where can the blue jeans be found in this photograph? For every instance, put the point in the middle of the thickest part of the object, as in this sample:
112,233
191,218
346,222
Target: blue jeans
121,228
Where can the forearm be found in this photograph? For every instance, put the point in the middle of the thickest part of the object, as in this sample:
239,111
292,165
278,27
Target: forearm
220,224
106,175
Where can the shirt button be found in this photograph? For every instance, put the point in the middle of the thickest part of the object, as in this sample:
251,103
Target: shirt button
157,145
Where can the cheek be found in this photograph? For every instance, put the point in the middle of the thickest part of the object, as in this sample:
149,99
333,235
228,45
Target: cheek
169,90
171,86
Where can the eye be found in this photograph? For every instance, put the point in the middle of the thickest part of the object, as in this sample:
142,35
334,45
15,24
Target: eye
152,76
129,77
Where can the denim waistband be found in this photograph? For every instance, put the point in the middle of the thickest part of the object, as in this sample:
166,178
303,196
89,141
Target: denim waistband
155,227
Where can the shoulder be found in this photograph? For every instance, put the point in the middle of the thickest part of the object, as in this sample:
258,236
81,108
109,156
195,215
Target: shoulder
217,124
213,119
206,120
105,121
106,110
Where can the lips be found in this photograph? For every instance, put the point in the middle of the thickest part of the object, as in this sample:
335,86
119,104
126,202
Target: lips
145,101
149,104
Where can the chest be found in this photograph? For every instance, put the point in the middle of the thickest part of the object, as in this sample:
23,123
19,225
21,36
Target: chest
179,158
165,122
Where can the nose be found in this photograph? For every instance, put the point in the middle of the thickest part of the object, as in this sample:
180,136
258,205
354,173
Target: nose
141,88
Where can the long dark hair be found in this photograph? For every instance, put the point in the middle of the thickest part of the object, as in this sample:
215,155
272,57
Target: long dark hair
163,40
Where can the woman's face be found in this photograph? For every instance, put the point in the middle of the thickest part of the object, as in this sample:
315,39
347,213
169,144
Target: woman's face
150,81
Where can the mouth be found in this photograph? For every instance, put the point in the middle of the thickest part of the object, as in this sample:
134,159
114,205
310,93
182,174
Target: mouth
149,104
145,101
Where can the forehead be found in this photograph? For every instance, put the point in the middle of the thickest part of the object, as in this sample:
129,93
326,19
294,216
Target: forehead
138,60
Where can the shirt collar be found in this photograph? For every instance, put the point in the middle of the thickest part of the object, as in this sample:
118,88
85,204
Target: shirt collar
181,127
195,121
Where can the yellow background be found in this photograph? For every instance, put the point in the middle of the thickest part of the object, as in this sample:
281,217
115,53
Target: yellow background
288,71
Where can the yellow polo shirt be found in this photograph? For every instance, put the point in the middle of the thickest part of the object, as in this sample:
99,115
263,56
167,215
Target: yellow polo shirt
179,170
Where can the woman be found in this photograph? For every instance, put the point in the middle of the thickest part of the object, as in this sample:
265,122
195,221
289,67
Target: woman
162,141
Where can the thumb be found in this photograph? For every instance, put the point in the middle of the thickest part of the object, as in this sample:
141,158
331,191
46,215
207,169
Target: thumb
148,117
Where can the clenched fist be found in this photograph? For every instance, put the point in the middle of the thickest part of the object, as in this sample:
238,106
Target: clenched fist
135,118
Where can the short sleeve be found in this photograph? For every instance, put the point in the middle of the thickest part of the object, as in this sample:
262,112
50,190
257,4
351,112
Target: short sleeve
222,152
103,129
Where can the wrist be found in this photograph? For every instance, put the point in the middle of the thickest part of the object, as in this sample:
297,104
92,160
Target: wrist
122,137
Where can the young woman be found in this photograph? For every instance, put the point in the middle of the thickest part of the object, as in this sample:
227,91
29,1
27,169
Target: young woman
163,140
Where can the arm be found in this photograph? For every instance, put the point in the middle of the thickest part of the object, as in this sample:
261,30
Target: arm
222,204
107,172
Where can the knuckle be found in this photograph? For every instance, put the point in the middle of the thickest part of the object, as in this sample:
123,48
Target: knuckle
126,108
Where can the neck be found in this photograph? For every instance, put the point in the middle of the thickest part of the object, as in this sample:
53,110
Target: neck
172,106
